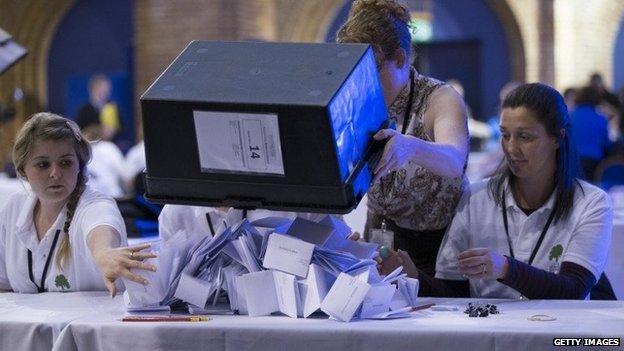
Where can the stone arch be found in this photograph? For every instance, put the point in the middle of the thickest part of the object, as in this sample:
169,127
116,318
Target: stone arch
514,38
32,24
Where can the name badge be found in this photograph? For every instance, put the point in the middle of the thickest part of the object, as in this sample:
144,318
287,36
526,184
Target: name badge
382,236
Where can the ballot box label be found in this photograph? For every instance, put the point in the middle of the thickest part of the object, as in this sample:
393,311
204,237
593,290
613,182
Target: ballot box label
238,142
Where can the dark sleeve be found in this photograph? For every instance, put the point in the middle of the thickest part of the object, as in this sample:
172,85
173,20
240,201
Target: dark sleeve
434,287
572,282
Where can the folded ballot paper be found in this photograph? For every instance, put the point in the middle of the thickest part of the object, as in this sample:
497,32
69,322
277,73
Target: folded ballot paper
273,265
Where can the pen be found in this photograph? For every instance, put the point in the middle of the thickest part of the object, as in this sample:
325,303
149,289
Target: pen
422,307
165,319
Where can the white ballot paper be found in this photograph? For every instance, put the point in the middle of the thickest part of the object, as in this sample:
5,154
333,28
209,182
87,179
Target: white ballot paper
193,290
345,297
377,300
309,231
313,289
288,254
271,291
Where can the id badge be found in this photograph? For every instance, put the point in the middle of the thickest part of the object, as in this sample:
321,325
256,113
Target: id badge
382,236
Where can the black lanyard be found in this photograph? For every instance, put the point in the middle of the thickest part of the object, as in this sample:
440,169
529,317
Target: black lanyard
41,288
408,108
539,241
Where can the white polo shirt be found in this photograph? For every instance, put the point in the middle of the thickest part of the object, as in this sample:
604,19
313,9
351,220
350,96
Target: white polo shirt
18,235
583,238
192,219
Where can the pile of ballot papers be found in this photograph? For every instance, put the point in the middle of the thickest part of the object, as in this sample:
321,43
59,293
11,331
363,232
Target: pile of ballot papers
296,267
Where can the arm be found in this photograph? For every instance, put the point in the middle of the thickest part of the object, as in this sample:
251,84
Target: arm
447,155
572,282
114,261
430,286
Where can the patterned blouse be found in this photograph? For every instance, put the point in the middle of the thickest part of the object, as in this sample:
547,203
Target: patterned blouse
414,197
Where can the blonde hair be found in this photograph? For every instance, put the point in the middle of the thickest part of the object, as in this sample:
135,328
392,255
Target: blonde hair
382,23
45,126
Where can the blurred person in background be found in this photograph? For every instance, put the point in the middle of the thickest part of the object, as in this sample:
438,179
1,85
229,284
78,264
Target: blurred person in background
99,110
590,131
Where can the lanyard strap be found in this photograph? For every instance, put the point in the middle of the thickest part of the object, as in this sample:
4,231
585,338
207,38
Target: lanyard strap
539,241
41,288
408,108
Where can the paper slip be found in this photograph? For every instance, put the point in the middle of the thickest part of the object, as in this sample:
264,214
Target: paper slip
344,297
142,309
408,287
313,290
239,294
288,254
193,290
359,249
403,313
218,309
310,232
278,224
271,291
287,290
377,300
398,301
341,229
259,291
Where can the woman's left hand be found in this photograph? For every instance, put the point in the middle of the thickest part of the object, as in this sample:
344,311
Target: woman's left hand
117,262
398,150
482,263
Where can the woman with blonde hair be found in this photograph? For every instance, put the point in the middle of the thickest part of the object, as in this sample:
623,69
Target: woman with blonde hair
420,177
61,219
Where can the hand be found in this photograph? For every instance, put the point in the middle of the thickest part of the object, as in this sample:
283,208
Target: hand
355,236
398,150
482,263
117,262
396,259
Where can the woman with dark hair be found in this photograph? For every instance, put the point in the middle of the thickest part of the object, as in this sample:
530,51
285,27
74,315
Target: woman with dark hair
535,229
421,174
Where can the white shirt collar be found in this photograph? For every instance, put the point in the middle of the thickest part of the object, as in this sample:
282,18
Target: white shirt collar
510,201
25,219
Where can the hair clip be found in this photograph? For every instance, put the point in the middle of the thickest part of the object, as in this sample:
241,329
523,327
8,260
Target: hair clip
77,134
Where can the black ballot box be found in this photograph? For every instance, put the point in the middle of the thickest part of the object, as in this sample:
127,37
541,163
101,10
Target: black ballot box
283,126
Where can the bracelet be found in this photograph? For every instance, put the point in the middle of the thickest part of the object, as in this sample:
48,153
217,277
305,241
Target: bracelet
542,318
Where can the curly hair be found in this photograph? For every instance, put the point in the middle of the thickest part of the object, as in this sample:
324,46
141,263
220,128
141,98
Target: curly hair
382,23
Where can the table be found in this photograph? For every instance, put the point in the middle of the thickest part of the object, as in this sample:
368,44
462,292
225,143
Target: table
34,321
91,321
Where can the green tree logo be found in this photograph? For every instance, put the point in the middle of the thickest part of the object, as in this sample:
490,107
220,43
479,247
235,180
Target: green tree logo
61,282
555,253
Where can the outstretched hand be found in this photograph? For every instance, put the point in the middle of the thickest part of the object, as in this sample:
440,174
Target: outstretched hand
117,262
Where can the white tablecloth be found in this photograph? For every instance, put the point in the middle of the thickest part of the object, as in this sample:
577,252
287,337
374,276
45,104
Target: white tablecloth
91,321
34,321
426,330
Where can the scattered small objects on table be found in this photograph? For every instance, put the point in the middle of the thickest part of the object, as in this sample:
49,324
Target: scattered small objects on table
479,310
